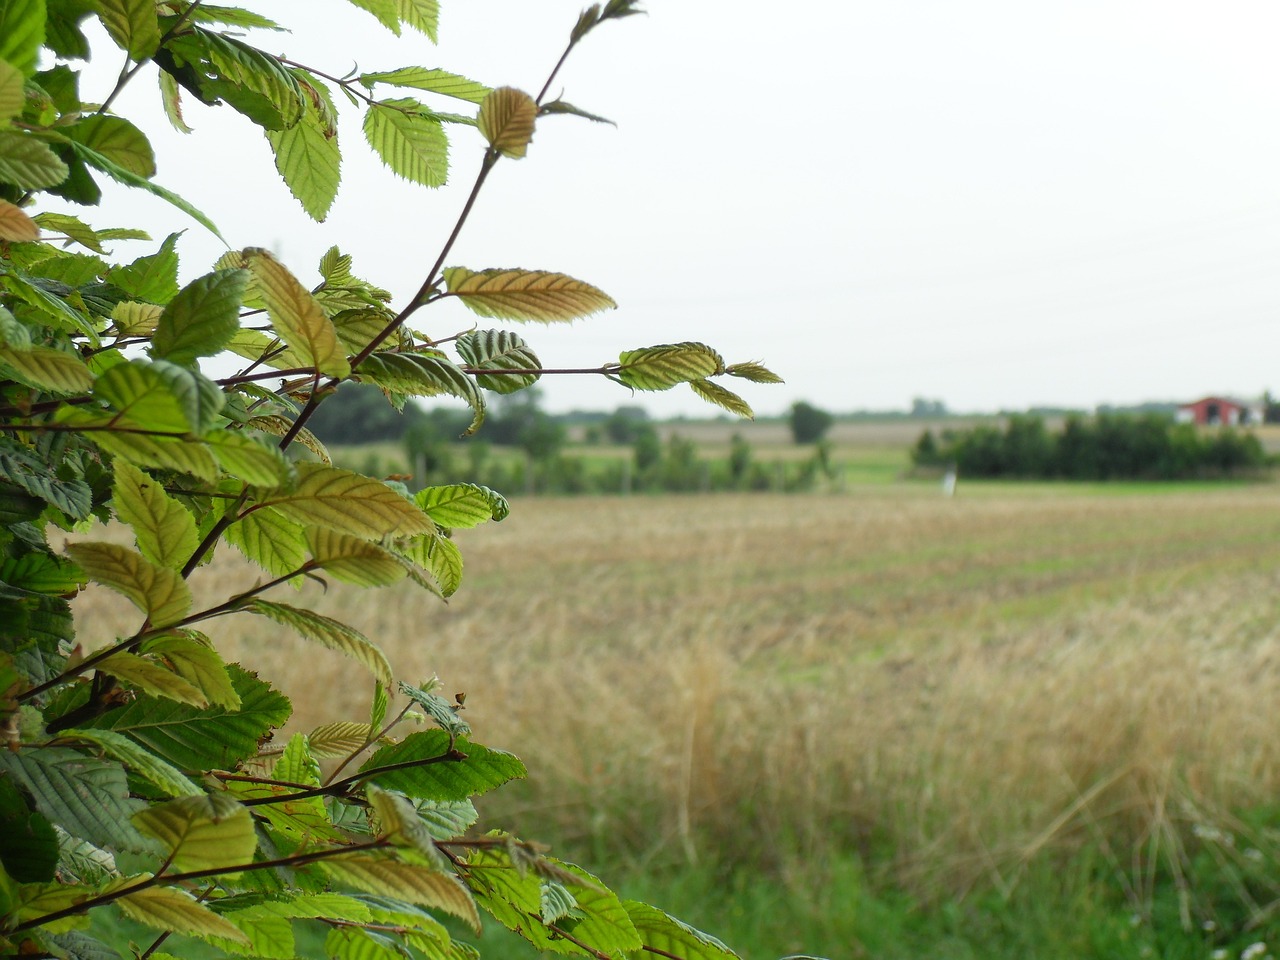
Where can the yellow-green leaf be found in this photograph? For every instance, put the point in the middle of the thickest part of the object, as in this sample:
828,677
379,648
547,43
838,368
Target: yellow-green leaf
755,372
353,560
165,530
405,881
201,832
507,118
193,659
157,591
329,741
16,226
134,319
436,81
278,426
662,367
329,633
269,539
525,294
12,97
48,369
175,911
307,154
296,316
409,140
714,393
138,758
22,26
28,163
261,464
348,503
153,678
201,320
133,25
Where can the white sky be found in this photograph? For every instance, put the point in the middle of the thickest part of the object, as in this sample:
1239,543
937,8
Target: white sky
998,203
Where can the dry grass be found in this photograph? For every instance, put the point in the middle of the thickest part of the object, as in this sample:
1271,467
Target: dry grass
954,687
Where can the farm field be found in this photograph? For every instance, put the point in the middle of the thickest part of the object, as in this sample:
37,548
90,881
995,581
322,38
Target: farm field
879,723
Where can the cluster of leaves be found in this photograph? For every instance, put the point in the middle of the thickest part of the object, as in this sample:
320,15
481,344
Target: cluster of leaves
142,779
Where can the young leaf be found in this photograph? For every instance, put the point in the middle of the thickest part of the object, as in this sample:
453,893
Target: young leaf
201,320
330,741
246,458
12,97
352,560
435,81
437,554
348,503
138,759
153,278
204,832
482,770
157,591
499,350
461,505
175,911
152,678
714,393
192,658
444,713
755,372
561,107
46,368
133,25
409,141
296,316
328,633
254,83
307,154
279,426
269,539
397,819
161,453
384,10
662,367
29,164
525,294
16,226
160,396
664,935
422,375
422,15
165,530
405,881
507,118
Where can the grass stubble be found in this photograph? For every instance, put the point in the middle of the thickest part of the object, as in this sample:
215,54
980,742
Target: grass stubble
993,699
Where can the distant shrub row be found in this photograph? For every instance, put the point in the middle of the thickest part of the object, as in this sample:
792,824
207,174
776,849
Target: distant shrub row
1106,447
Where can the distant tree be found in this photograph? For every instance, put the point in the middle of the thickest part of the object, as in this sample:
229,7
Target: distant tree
925,453
363,416
648,450
739,459
624,424
922,407
1270,408
808,423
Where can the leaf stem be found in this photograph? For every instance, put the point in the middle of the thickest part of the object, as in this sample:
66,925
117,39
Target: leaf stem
341,787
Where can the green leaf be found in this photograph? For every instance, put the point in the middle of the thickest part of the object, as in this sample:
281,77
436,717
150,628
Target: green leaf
384,10
86,797
116,139
561,107
714,393
461,505
158,592
176,911
406,881
47,368
348,503
525,294
435,81
422,15
140,760
296,316
152,278
165,530
271,540
378,706
307,154
397,820
507,118
331,741
352,560
216,738
28,842
437,554
755,372
161,396
22,33
19,464
328,633
409,141
133,25
152,678
423,375
42,573
662,367
28,163
500,350
201,320
247,458
171,100
161,453
447,819
664,934
193,659
482,770
134,319
201,832
254,83
444,713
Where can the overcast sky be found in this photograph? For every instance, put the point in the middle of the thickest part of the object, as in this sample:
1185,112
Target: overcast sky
996,204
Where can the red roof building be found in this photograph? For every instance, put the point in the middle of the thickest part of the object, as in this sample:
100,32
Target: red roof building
1215,411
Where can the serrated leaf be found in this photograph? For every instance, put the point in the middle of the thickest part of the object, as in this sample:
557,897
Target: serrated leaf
28,163
307,155
714,393
409,140
261,464
116,139
663,934
133,25
193,659
397,820
352,560
73,228
562,107
406,881
356,328
12,95
138,759
507,118
171,100
16,226
152,678
423,375
444,713
266,350
176,911
755,372
446,780
447,819
664,366
216,738
525,294
272,541
86,797
201,832
330,741
435,81
46,368
437,554
165,530
161,396
461,505
327,632
158,592
201,320
378,706
153,278
161,453
296,316
499,350
422,15
383,10
22,25
348,503
19,464
254,83
278,426
134,319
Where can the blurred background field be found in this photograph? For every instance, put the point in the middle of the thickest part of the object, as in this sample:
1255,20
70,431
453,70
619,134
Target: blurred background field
1028,720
